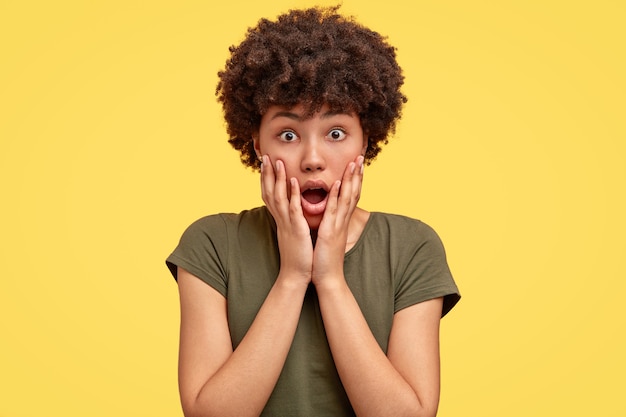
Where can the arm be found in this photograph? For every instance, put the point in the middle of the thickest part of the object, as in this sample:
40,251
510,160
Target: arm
214,380
403,383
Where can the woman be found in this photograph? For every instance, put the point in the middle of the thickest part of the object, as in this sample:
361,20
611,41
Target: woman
314,306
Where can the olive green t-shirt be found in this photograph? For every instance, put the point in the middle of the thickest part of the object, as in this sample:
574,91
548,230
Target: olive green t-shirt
397,262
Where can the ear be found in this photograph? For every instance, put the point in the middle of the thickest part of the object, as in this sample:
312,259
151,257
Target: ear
365,144
257,145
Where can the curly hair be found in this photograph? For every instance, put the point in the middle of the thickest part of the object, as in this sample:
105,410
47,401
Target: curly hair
313,57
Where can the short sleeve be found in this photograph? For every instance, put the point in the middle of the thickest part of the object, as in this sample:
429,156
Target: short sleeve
427,274
202,251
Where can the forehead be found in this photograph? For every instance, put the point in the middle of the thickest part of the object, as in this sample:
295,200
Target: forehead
301,113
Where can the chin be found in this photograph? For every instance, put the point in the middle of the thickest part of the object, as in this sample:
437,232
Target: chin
313,222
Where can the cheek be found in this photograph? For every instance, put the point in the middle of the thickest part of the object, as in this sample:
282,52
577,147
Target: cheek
275,156
343,162
291,168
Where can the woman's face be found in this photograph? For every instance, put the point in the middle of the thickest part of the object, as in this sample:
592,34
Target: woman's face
315,151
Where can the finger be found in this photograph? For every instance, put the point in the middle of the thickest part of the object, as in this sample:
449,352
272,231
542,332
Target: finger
295,205
356,180
271,188
333,199
346,196
280,188
351,187
267,179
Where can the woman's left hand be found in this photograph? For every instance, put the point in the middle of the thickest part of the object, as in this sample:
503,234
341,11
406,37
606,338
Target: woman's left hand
332,234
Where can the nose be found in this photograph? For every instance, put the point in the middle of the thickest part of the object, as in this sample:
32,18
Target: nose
313,155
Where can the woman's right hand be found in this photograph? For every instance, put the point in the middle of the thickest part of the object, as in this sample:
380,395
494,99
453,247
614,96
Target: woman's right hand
294,236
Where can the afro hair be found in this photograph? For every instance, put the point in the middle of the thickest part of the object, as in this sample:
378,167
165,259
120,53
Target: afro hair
313,57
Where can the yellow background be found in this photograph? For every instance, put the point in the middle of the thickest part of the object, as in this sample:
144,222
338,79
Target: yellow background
512,147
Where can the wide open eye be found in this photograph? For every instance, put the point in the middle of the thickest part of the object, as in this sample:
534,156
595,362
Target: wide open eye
288,136
337,134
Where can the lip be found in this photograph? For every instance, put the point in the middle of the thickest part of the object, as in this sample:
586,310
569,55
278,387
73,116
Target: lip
309,208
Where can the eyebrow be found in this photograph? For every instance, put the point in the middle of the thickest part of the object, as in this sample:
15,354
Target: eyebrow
297,117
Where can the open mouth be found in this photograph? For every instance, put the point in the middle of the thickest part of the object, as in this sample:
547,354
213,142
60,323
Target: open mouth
314,195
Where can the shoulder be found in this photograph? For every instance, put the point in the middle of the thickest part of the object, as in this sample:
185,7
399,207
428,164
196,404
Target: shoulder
216,230
411,254
403,228
205,247
219,225
421,262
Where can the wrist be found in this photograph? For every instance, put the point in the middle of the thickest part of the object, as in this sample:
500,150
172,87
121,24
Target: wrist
331,283
293,280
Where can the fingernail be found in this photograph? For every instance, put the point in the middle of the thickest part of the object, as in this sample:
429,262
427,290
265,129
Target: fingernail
352,167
